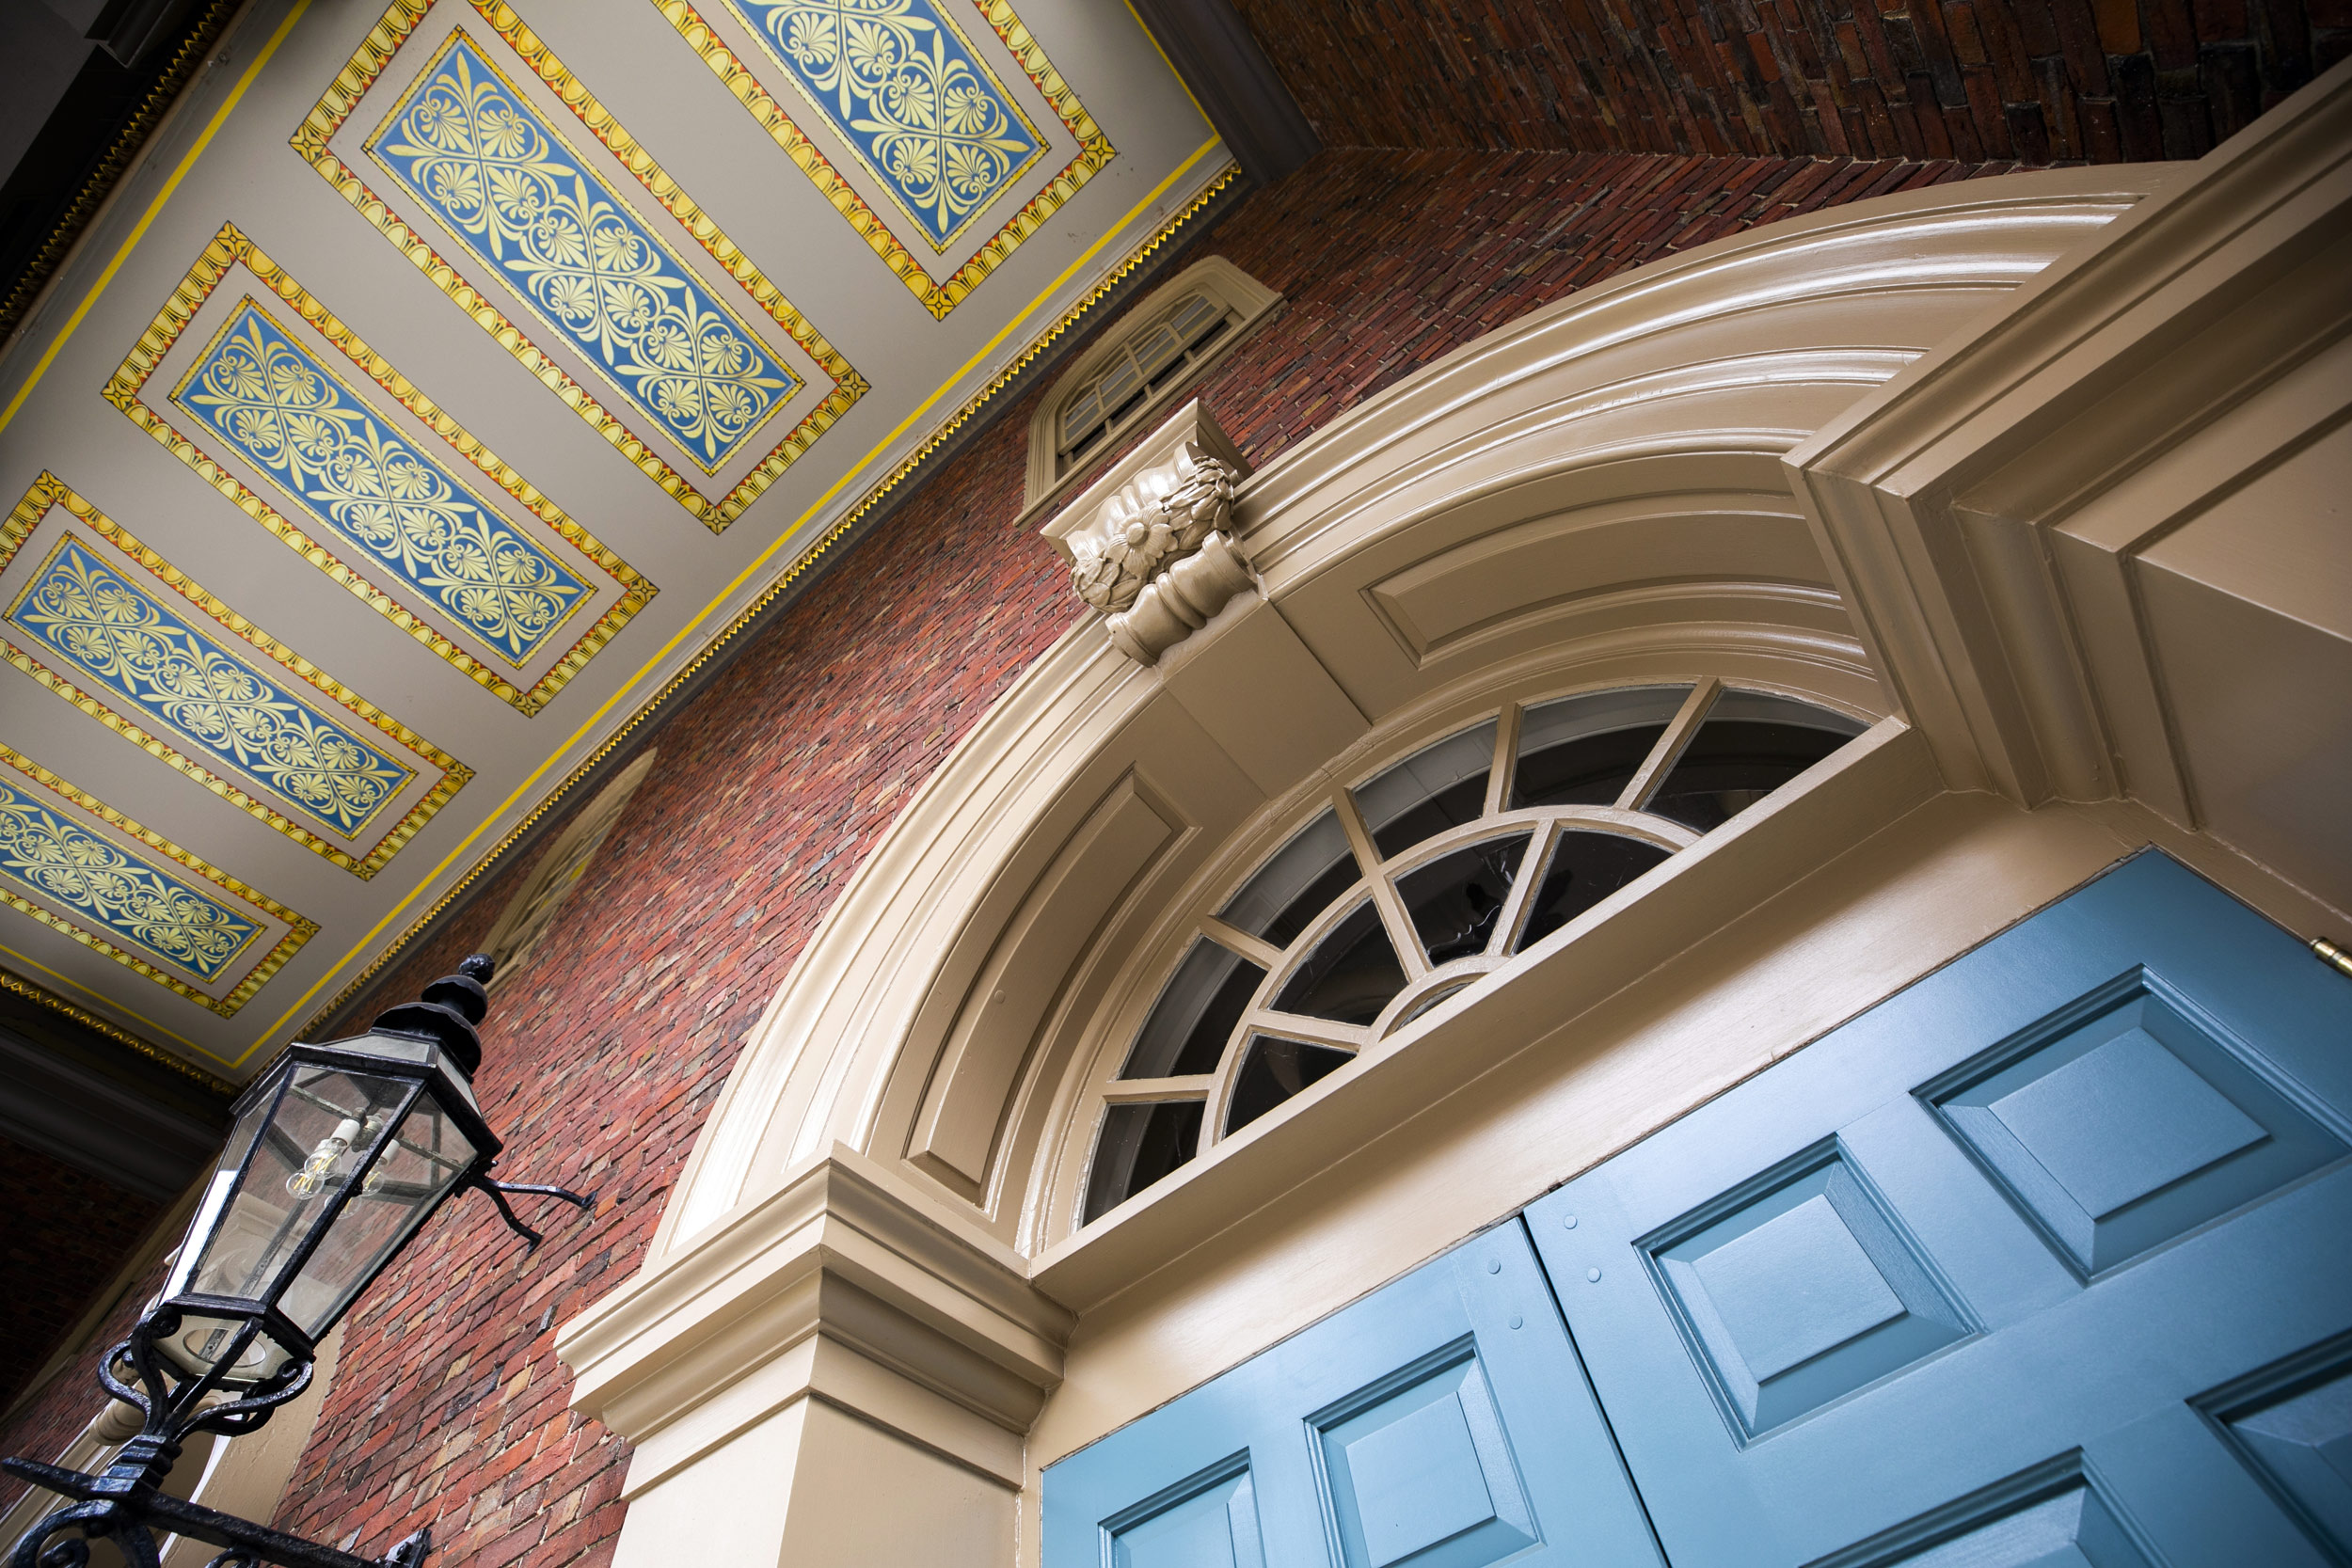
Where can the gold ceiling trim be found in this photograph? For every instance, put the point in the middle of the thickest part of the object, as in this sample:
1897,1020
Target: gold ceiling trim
48,491
300,928
1094,152
128,142
873,496
232,247
40,996
358,77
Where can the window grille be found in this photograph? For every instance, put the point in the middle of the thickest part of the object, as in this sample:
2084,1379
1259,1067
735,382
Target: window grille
1420,882
1140,366
1138,369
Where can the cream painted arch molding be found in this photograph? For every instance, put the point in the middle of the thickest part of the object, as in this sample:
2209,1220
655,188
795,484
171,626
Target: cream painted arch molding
1985,465
1623,448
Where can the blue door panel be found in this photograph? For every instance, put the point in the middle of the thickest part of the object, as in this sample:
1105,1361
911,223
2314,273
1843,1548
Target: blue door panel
2043,1203
2291,1424
2045,1260
1441,1422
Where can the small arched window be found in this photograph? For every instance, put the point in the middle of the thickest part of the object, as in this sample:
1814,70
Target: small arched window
1156,351
1417,883
531,913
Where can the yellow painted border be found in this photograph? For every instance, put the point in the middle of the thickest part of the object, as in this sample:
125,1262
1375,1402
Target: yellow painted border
300,928
872,498
138,229
231,248
358,75
372,142
898,199
40,996
48,491
1094,152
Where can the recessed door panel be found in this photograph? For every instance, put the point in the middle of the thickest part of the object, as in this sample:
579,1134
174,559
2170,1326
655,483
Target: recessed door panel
2031,1212
1441,1422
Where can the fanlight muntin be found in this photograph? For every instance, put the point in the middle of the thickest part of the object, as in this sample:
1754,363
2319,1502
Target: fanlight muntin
1418,881
338,1154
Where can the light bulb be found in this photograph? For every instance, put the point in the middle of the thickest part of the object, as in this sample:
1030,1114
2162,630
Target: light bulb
307,1182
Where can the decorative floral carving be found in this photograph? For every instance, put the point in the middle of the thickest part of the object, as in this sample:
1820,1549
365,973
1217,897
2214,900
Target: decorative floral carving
102,625
134,901
1160,558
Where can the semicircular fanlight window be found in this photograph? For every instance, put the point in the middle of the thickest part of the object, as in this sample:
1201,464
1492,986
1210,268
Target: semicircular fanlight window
1408,889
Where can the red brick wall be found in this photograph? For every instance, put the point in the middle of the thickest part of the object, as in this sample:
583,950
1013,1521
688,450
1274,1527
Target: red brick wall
2035,80
604,1054
63,1236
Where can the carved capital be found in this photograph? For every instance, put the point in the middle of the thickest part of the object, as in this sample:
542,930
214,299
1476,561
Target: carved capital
1151,543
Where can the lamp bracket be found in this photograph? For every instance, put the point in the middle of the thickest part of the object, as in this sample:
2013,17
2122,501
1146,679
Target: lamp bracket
126,1504
498,1191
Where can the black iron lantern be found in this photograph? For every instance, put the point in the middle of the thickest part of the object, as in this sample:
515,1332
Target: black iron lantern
339,1154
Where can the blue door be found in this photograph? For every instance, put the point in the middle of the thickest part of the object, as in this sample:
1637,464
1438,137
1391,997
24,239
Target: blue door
1441,1422
2045,1260
2048,1259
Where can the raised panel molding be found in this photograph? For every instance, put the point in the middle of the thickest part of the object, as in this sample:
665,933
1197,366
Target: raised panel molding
2292,1426
2126,1118
1796,1288
1984,511
1417,1471
2052,1516
963,1112
1205,1521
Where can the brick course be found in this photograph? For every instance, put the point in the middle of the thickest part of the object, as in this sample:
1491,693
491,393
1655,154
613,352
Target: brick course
2038,81
68,1234
605,1052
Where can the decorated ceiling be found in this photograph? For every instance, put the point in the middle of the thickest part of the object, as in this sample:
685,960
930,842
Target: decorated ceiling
448,380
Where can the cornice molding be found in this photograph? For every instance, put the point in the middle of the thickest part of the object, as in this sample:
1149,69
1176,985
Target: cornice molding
1955,502
845,1284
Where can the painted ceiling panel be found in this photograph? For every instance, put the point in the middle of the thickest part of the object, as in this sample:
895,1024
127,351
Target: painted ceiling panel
447,380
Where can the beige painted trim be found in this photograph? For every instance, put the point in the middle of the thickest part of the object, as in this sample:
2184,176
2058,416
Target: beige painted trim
847,1285
1677,387
1624,487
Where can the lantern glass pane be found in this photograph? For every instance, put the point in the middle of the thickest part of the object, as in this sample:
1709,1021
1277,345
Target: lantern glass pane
426,1156
301,1151
216,1193
322,1125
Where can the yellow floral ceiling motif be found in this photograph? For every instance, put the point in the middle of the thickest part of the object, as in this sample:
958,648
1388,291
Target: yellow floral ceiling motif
231,248
318,129
290,365
1094,149
875,494
143,908
155,661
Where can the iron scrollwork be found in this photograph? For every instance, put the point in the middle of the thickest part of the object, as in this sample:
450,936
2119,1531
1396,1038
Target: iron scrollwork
126,1505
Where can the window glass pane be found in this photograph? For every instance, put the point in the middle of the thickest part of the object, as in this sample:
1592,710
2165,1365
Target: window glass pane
1583,750
1081,414
425,1158
1193,317
1195,1015
1455,900
1276,1069
1750,744
1157,346
1349,977
1286,894
1584,869
1140,1144
1436,788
